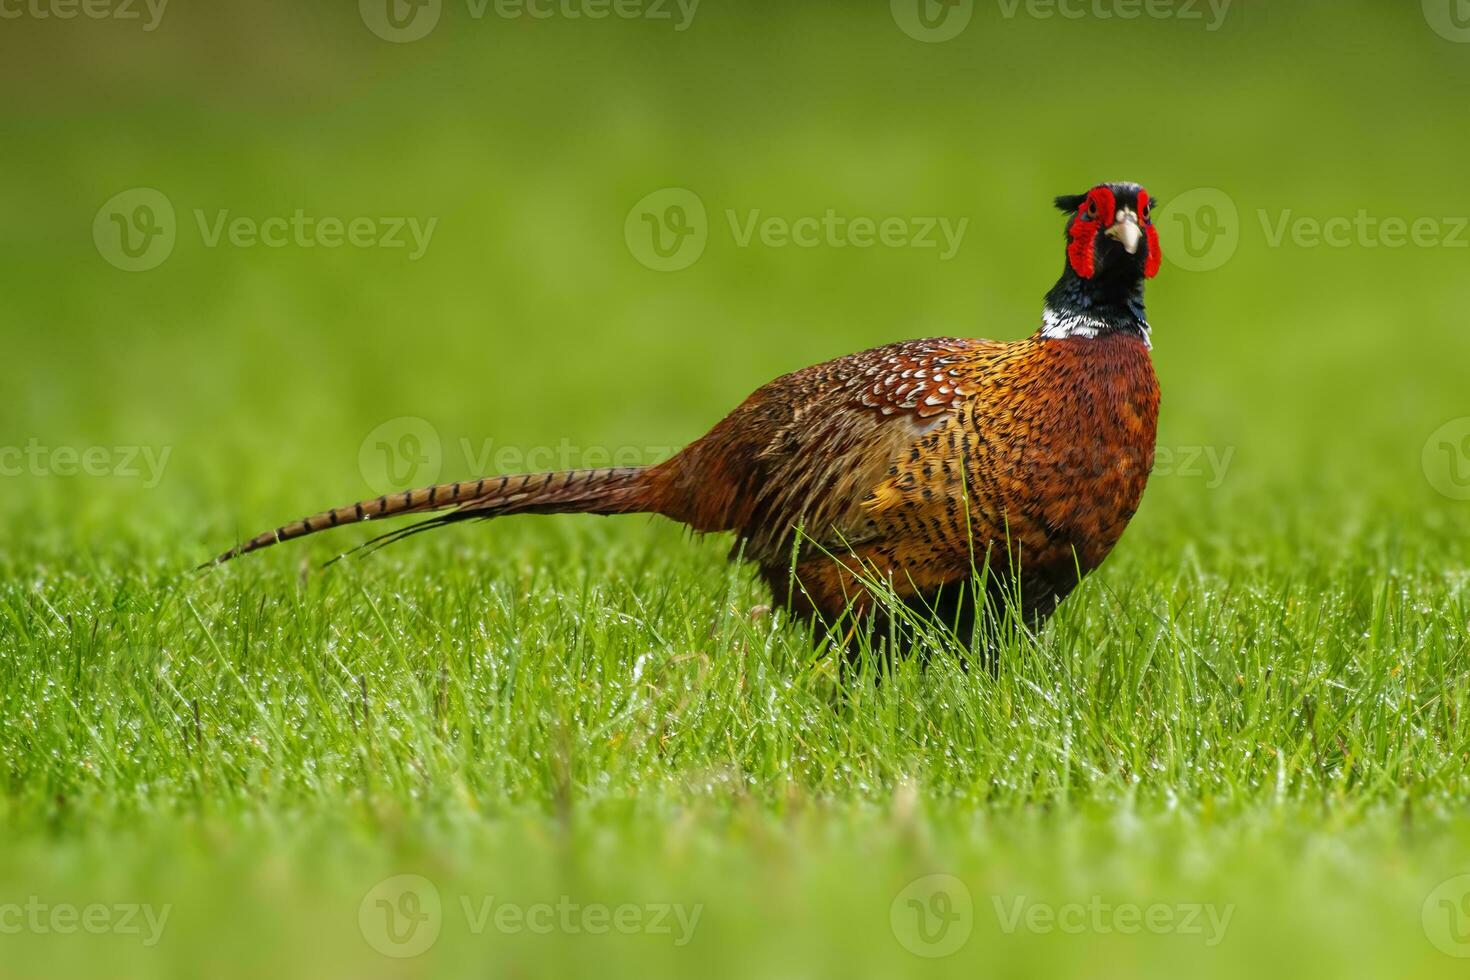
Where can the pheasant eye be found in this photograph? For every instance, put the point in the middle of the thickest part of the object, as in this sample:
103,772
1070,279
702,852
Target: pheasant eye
1146,205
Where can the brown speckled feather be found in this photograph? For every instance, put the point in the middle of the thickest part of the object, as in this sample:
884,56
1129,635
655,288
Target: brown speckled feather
1042,445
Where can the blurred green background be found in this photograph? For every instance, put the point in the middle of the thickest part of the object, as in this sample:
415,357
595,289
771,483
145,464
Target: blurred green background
1315,406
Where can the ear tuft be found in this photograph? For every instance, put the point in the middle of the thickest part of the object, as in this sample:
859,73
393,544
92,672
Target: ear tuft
1068,203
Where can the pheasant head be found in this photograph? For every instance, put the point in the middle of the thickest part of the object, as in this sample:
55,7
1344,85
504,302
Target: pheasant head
1112,248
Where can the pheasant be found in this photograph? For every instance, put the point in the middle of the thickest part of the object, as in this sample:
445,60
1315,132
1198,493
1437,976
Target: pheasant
943,469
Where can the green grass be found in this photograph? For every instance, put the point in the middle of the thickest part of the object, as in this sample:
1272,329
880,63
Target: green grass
1254,708
595,714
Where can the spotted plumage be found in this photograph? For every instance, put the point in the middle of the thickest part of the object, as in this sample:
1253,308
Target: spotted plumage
922,464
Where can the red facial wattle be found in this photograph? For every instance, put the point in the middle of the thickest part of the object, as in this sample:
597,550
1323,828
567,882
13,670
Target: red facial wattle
1097,213
1082,249
1151,236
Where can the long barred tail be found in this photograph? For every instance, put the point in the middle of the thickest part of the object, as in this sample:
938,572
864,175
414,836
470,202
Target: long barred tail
626,490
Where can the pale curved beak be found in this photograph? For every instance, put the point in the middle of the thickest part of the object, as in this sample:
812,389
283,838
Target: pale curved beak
1126,231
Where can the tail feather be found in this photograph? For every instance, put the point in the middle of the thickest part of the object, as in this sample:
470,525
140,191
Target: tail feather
624,490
